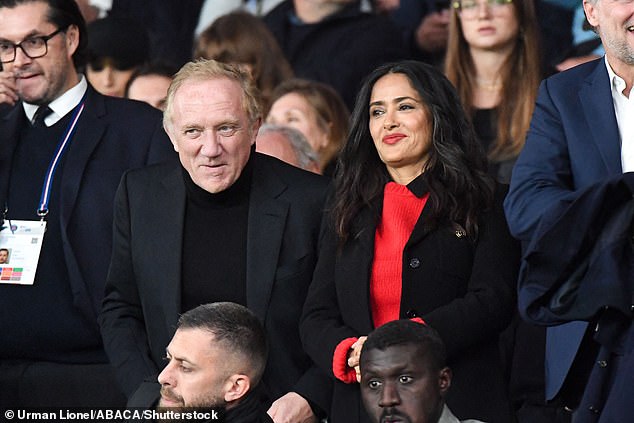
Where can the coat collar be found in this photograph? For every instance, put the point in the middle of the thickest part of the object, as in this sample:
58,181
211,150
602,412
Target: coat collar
595,96
266,225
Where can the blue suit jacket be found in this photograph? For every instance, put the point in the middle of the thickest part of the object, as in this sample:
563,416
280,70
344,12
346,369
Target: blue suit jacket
112,136
573,142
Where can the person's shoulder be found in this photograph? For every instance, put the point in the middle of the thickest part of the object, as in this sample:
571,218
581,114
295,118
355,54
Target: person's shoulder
577,74
294,177
147,175
126,106
121,109
279,14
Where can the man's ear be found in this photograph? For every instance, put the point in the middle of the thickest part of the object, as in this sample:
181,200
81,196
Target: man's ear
255,127
72,39
444,380
236,387
168,131
590,10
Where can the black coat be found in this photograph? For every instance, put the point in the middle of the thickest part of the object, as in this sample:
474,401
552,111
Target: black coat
142,302
463,289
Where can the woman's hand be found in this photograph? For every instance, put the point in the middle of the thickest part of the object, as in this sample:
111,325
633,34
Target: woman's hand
355,354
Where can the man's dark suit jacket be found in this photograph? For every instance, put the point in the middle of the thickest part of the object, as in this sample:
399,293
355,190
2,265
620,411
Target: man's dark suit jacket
573,143
591,279
462,288
112,136
142,302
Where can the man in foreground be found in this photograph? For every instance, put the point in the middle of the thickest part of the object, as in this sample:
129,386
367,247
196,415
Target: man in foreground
215,362
404,376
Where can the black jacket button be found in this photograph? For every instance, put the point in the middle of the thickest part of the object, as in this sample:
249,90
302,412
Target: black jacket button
414,263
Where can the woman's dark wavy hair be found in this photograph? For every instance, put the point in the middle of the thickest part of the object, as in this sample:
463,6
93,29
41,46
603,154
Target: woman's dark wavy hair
62,13
459,188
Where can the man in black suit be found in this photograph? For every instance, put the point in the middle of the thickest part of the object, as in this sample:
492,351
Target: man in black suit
51,353
228,224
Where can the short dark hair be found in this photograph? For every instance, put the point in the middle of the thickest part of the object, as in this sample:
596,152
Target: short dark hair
235,327
407,332
61,13
152,68
4,249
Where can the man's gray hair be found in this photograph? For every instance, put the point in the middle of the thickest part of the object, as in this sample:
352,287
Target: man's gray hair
307,158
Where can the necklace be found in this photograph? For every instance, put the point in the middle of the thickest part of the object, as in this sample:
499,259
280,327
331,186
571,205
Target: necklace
490,85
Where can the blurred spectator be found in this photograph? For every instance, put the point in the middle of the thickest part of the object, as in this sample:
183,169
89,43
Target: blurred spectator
150,83
213,9
424,25
317,111
586,44
241,38
332,41
288,145
116,47
493,61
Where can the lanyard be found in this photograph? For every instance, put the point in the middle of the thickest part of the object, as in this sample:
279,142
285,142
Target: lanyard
42,210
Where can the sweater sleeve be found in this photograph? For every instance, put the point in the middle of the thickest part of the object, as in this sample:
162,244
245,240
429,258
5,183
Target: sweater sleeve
340,367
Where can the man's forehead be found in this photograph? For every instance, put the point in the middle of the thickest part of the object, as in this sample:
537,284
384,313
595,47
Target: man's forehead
23,20
393,358
190,342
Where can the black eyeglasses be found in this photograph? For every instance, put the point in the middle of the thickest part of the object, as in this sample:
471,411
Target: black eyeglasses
33,47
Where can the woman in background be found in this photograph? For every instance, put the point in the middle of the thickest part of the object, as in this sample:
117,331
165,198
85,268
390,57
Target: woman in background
243,39
116,48
416,230
317,111
493,61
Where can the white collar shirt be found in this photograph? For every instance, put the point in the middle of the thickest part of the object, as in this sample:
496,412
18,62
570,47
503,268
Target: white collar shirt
61,105
624,111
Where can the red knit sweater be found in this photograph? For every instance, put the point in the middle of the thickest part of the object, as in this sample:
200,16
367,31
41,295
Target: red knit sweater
401,210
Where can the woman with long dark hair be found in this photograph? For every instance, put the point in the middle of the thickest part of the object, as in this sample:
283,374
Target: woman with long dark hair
415,230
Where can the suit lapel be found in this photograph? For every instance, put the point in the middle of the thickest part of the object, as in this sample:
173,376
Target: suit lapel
171,220
88,134
354,272
266,223
599,109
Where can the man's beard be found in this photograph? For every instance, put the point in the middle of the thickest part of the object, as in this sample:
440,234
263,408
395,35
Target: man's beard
201,403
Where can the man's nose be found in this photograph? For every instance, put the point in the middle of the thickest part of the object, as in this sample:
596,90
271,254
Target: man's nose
21,58
210,144
389,396
166,376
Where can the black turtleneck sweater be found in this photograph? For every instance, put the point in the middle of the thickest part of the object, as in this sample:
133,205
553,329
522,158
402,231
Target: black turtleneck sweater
215,243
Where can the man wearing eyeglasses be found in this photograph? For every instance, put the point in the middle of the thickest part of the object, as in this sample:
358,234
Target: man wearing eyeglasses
63,149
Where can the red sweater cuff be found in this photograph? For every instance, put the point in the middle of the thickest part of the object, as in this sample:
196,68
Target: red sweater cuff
340,367
418,320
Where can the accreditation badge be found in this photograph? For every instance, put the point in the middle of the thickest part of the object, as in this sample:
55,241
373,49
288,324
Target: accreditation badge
20,246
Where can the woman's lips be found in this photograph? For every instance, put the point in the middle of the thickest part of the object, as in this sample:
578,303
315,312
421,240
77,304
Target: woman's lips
393,138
